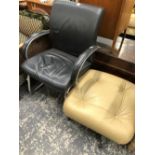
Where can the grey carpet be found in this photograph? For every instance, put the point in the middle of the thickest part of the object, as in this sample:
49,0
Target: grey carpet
45,130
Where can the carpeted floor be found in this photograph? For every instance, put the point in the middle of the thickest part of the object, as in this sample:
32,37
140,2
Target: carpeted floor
45,130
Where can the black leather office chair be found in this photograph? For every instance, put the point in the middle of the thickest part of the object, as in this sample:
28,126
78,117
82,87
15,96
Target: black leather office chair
73,34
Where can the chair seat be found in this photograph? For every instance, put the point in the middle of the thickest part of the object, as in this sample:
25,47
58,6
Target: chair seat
103,103
52,67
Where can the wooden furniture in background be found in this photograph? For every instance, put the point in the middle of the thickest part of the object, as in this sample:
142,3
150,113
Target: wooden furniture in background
22,4
40,6
116,17
107,62
131,25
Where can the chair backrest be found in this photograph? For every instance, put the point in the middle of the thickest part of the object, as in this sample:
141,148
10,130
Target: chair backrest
73,26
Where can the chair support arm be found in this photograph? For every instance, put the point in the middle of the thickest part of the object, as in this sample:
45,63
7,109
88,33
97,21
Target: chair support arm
33,38
80,62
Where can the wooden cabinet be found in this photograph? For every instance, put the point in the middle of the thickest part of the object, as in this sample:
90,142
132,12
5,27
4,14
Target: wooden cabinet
116,17
40,6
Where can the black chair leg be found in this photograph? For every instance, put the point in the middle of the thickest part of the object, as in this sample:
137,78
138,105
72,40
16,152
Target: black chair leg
30,90
60,98
29,84
47,94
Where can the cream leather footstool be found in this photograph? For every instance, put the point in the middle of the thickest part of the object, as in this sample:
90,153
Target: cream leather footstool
104,103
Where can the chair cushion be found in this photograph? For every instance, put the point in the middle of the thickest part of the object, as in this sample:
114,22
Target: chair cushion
52,67
28,25
22,38
103,103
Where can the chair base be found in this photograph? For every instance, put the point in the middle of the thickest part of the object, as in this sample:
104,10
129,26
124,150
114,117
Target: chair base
29,87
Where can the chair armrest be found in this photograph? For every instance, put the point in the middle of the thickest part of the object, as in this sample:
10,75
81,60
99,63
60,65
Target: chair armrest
80,62
33,38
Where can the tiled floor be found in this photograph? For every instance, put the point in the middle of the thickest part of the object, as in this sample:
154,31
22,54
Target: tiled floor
127,51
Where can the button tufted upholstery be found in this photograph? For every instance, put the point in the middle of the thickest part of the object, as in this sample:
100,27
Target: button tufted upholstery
104,103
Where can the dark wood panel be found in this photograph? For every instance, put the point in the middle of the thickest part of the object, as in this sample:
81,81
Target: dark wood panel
109,63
